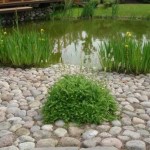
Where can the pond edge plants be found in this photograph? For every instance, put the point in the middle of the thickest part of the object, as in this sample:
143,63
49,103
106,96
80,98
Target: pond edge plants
125,54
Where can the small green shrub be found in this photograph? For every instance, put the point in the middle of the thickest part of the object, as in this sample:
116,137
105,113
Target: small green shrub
125,54
77,99
88,10
108,3
25,48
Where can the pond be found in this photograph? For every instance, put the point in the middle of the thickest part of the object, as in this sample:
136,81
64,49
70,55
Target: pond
77,42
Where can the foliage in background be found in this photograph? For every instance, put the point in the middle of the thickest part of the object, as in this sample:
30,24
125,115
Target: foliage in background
108,3
115,7
77,99
25,48
125,54
88,9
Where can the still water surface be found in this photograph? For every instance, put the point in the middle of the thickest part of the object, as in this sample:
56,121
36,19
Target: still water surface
77,42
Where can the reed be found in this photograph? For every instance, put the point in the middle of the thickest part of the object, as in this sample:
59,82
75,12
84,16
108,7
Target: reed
25,48
125,54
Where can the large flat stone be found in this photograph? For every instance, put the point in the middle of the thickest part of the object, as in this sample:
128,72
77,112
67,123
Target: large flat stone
100,148
77,148
57,148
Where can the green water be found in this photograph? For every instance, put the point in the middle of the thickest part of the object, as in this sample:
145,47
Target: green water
77,42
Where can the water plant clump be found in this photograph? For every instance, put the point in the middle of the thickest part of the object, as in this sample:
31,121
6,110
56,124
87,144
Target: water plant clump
125,54
25,48
75,98
88,10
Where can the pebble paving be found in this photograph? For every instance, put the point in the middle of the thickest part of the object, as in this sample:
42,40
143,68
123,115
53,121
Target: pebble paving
22,93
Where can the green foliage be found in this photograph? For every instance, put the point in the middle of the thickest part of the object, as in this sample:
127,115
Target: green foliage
108,3
77,99
125,54
88,10
25,48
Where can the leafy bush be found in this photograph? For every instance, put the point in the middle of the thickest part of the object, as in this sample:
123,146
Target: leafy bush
25,48
77,99
125,54
88,10
108,3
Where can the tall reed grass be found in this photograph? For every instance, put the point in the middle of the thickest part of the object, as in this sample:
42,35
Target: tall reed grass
125,54
25,48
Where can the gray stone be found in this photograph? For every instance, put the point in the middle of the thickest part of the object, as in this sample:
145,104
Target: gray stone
75,131
89,134
124,138
143,133
133,135
35,128
22,131
25,138
135,145
105,135
103,128
42,134
92,142
4,132
116,123
35,104
129,128
15,127
129,108
47,143
26,146
47,127
59,123
4,125
115,130
12,110
60,132
2,115
7,140
101,148
112,142
20,113
146,104
9,148
69,141
133,100
60,148
126,121
28,124
138,120
147,140
35,92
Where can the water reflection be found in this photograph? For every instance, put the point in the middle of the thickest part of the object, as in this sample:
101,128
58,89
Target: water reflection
77,42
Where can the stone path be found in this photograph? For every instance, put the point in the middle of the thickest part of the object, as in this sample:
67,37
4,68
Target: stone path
22,93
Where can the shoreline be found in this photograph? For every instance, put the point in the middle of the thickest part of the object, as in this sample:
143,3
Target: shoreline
22,92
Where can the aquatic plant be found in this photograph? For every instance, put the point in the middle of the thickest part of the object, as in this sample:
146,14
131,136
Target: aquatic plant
125,54
88,10
25,48
74,98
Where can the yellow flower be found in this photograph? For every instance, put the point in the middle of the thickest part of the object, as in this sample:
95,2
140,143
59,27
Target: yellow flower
42,30
5,33
128,34
126,46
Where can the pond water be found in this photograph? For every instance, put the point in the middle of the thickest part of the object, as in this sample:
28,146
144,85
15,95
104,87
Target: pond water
77,42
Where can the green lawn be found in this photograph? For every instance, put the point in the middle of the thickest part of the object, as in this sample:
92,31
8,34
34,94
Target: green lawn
124,10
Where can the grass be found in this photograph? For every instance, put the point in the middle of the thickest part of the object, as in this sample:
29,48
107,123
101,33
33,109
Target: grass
77,99
124,10
25,48
127,55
